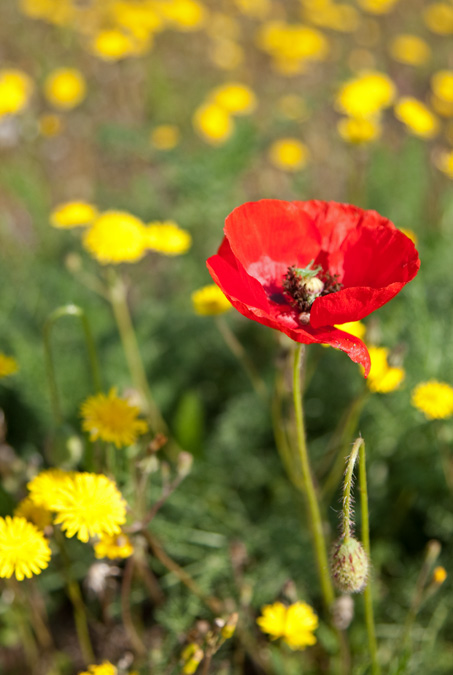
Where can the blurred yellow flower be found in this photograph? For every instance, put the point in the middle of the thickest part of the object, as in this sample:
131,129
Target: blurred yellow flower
359,130
165,136
235,98
366,95
419,120
38,515
8,365
257,9
65,88
439,575
15,91
210,301
113,44
294,624
434,399
444,162
442,85
442,107
327,14
24,551
213,123
73,214
116,237
289,154
225,53
140,19
355,328
377,6
112,419
439,18
90,505
410,49
167,238
411,234
382,377
114,546
44,488
292,45
50,125
185,15
106,668
58,12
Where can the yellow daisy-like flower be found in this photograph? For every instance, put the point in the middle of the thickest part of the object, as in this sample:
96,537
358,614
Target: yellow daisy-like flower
114,546
113,45
8,365
213,123
382,377
366,95
442,85
65,88
236,98
294,624
24,551
38,515
359,130
90,505
438,16
185,15
210,301
45,487
167,238
433,398
165,136
410,49
73,214
418,119
15,91
112,419
116,237
105,668
289,154
377,6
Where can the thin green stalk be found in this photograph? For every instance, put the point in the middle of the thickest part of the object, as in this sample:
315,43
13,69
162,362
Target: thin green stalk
315,520
280,436
68,310
27,637
118,300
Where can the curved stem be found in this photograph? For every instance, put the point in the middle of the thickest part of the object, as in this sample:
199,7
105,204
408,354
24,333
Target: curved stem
315,520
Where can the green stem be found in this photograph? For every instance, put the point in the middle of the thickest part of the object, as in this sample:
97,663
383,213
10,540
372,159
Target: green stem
240,353
367,594
118,300
23,627
68,310
315,520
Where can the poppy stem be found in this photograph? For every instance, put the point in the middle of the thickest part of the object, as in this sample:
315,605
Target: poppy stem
314,512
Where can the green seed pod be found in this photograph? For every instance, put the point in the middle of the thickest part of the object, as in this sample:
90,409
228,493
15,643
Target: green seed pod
349,565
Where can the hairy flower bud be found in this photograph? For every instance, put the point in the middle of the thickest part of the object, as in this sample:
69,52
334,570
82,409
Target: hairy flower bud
349,565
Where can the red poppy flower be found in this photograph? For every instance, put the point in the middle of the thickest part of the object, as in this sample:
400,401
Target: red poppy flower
303,267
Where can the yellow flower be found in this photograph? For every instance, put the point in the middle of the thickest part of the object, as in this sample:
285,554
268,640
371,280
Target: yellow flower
336,16
366,95
105,668
8,365
73,214
114,546
167,238
289,154
294,624
377,6
359,130
15,91
210,301
410,49
442,107
225,53
90,505
50,125
112,419
382,377
24,551
439,575
433,398
45,487
292,45
165,136
185,15
191,658
444,162
65,88
257,9
38,515
418,119
439,18
236,98
213,123
411,234
113,45
442,85
355,328
116,237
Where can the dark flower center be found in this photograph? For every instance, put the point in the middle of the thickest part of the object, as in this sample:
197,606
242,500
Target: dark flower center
303,285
